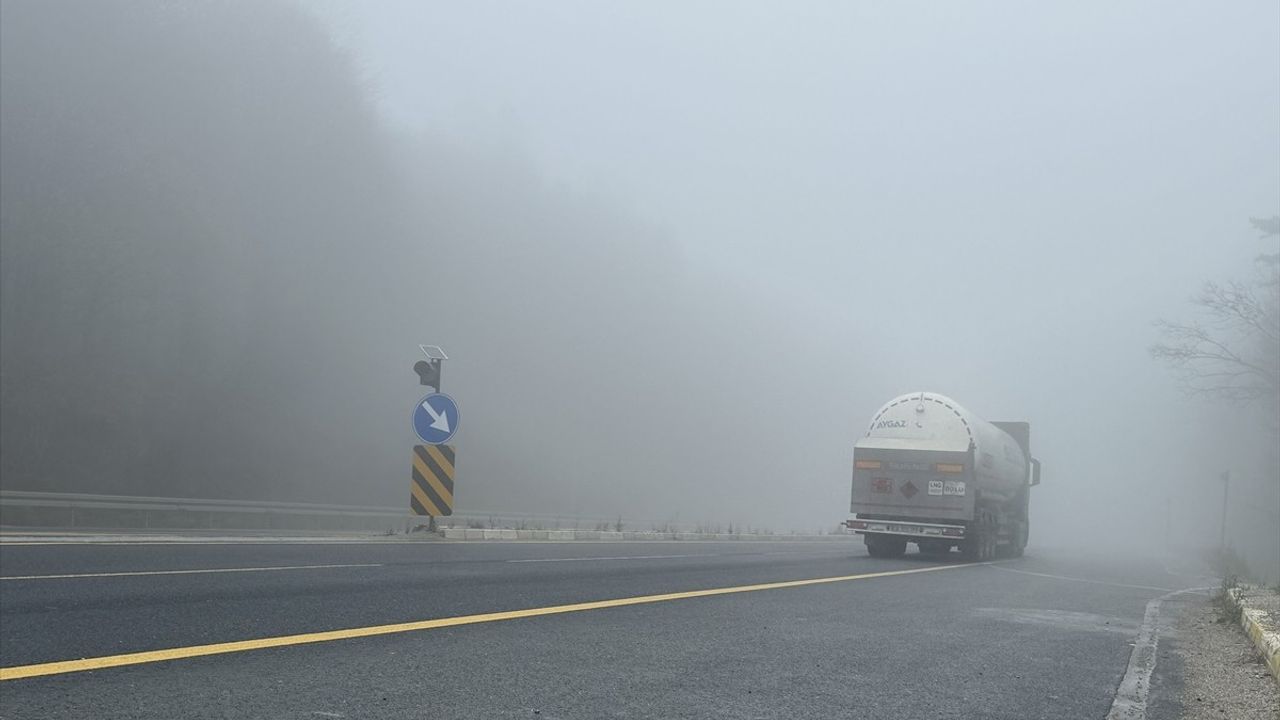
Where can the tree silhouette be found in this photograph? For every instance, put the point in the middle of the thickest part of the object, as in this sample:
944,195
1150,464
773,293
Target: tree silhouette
1232,351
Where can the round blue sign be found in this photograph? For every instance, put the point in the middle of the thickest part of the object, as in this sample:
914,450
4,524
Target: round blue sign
435,418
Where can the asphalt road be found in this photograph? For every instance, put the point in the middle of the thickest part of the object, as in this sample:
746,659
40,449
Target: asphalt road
1050,635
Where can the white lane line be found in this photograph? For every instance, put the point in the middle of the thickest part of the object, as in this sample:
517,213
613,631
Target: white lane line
1083,580
832,551
1130,702
616,557
188,572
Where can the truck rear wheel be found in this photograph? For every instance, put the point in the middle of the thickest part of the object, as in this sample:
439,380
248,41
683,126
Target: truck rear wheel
980,548
1019,540
981,545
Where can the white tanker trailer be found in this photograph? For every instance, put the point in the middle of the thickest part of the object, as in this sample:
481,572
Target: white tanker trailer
932,473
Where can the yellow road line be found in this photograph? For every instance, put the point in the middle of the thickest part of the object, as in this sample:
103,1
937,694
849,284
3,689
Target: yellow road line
188,572
378,541
202,543
152,656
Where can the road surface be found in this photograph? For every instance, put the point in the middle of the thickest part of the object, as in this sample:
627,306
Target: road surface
578,630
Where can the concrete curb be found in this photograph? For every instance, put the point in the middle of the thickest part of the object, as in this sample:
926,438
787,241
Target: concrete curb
475,534
1261,626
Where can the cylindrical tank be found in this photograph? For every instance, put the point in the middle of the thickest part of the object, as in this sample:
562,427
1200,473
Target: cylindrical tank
929,421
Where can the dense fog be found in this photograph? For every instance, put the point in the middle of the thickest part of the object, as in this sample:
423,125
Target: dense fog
678,254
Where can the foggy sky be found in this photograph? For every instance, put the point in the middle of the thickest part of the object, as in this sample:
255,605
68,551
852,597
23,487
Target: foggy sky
988,200
678,253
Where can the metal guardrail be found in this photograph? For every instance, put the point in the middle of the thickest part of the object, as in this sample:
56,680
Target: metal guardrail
22,508
30,509
23,498
54,510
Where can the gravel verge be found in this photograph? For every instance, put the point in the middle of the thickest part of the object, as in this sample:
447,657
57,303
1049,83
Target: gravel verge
1223,674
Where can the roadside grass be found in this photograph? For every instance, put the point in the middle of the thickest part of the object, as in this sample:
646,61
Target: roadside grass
1228,610
1233,569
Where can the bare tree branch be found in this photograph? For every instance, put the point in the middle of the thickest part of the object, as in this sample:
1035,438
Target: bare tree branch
1233,352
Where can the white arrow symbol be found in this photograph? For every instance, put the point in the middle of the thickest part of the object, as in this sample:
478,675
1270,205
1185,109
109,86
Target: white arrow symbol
439,420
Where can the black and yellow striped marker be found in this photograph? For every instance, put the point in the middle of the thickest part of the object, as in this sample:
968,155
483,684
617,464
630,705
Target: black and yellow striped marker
431,492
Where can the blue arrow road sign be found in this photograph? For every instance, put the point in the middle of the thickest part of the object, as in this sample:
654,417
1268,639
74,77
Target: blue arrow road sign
435,419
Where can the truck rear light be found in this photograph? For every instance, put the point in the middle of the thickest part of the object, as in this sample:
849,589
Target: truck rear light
953,468
856,525
952,532
867,464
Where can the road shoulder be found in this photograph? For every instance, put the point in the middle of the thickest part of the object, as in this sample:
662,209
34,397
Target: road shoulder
1223,674
1259,611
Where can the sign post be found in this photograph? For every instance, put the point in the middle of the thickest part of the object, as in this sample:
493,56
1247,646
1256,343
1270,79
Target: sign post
435,421
1226,490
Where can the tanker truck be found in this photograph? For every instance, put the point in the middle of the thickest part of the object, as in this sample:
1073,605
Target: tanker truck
929,472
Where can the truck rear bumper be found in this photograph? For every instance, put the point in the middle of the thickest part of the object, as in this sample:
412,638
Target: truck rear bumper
906,528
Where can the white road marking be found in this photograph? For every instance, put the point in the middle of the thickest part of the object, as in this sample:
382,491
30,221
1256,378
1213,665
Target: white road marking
1083,580
615,557
1130,702
840,551
188,572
